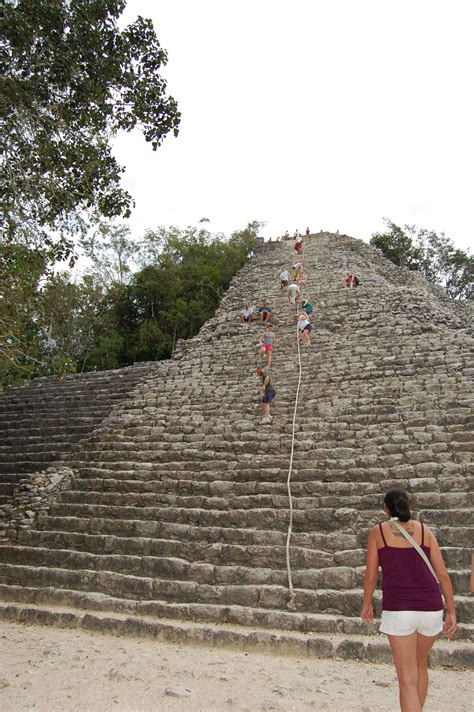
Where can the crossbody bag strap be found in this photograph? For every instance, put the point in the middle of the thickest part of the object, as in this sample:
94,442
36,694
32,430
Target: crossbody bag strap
408,537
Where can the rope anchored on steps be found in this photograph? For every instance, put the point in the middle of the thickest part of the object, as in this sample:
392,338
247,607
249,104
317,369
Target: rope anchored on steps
291,605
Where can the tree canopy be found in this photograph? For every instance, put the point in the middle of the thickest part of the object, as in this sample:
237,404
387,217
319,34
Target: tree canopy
70,78
432,254
135,300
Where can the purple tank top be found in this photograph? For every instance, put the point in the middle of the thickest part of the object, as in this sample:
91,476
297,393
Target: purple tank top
407,582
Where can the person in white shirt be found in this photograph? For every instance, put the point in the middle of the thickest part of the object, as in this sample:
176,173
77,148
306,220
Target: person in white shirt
293,293
246,314
299,245
304,327
284,278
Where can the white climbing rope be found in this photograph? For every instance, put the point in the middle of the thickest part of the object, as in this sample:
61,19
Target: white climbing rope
291,603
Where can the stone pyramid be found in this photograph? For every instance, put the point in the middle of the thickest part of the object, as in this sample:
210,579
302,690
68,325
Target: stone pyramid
174,523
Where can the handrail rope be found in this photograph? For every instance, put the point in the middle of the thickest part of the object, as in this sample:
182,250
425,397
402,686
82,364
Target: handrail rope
291,603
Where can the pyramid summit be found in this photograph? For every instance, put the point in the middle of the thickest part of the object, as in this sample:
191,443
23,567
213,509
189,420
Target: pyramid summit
173,518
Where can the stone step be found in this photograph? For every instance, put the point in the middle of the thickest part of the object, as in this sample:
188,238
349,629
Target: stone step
327,519
147,588
199,551
347,602
314,482
186,500
210,535
219,487
25,450
339,494
343,646
54,430
220,502
179,569
10,422
32,463
57,395
140,525
8,477
152,436
198,612
56,398
341,569
251,470
440,517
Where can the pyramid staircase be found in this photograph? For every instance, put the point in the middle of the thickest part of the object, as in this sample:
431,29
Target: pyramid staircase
41,421
176,523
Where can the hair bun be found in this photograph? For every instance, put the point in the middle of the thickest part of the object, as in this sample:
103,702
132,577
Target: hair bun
396,501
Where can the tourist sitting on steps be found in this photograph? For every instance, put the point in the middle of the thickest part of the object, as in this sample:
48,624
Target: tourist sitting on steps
304,328
264,312
246,314
284,278
351,280
268,393
412,607
266,344
294,294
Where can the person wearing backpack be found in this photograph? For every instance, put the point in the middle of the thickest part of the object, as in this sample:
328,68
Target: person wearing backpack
412,607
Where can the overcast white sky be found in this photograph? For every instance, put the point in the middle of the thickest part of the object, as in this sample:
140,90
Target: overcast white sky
323,113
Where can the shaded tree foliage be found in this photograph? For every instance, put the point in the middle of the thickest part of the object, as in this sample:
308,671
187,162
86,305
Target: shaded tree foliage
52,325
111,251
174,295
21,271
69,79
432,254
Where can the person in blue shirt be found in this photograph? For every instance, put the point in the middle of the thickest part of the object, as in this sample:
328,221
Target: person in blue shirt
264,312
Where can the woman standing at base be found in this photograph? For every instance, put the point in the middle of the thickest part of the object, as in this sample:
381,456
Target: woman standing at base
412,607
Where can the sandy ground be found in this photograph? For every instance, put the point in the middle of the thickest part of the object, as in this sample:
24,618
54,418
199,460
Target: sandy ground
50,669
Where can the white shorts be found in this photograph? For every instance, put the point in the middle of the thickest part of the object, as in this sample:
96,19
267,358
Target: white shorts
427,623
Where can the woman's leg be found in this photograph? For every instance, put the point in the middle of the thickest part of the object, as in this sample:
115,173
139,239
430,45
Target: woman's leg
269,358
424,645
404,652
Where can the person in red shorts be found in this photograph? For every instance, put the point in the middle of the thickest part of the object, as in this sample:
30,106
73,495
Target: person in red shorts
351,280
266,344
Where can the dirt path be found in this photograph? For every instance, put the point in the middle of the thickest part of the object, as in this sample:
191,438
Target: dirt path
47,669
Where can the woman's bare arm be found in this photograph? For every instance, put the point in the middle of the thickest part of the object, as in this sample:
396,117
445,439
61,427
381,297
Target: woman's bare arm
444,582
